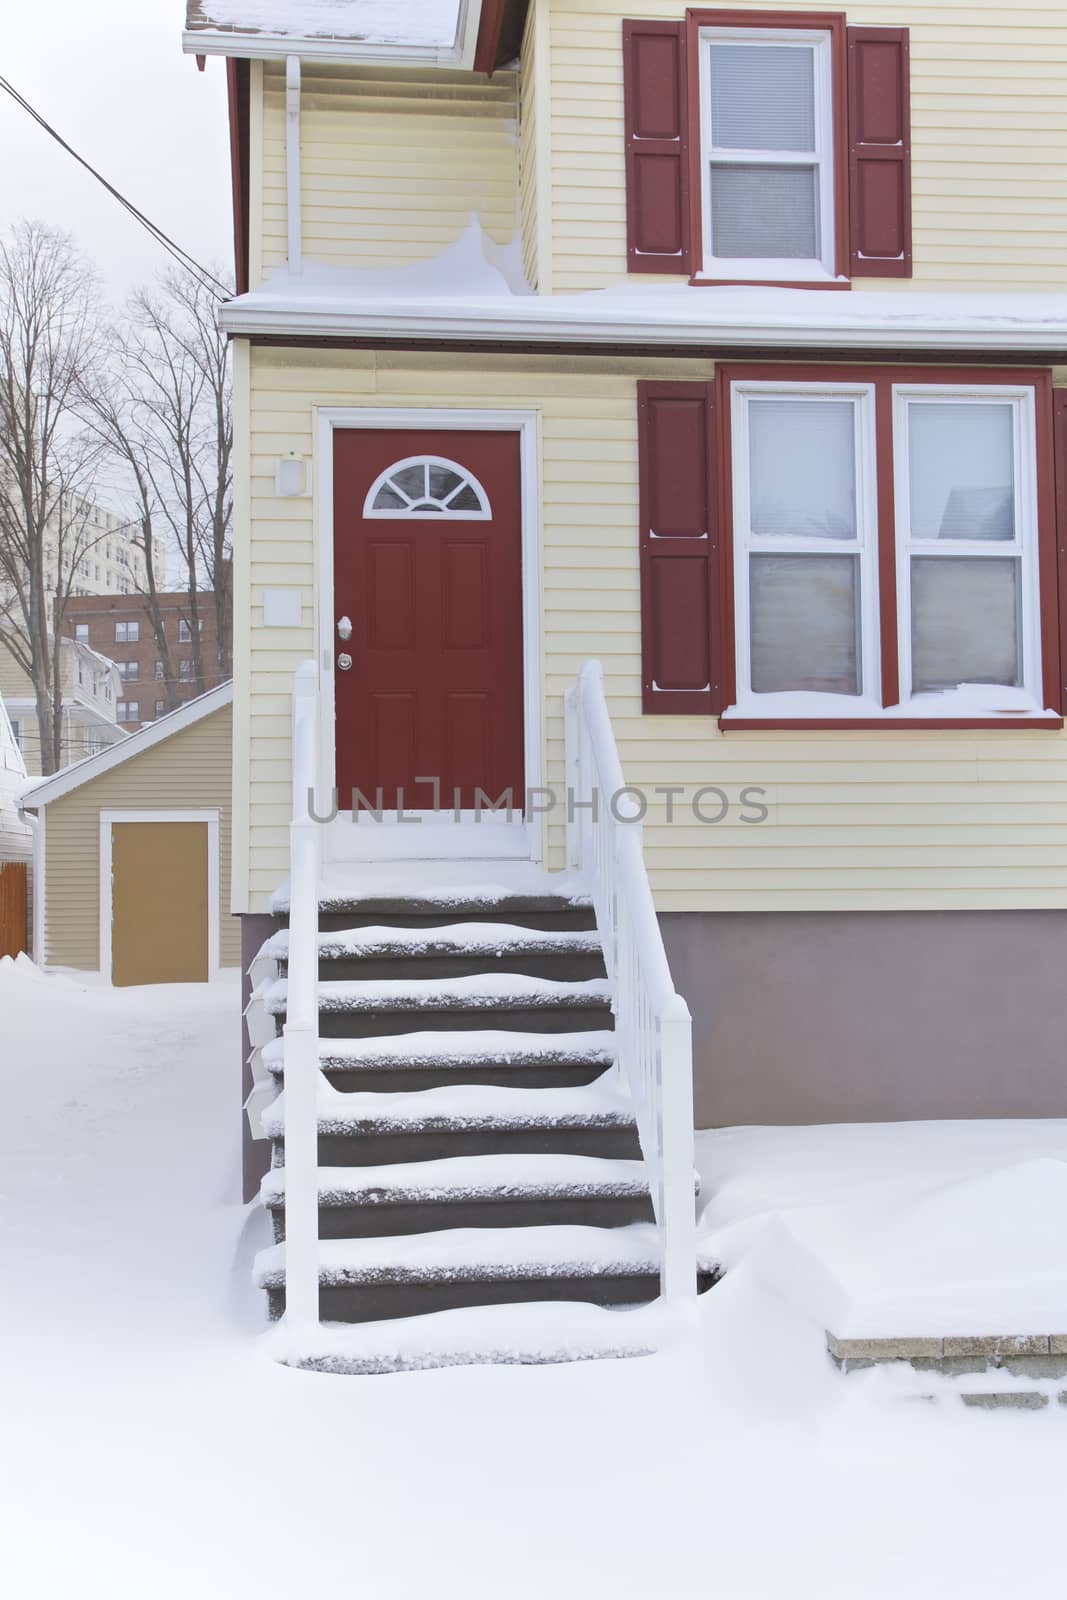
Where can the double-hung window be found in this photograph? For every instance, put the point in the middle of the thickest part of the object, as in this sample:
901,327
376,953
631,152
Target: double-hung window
966,494
805,541
767,154
885,549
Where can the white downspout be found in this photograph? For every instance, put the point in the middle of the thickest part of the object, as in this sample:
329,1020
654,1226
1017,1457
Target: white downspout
292,161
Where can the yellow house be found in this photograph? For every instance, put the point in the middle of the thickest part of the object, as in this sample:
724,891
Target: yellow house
725,347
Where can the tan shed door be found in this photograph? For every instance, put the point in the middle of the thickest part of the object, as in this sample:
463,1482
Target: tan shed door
159,902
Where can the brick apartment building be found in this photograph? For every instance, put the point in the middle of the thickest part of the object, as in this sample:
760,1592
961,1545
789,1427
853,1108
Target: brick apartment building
120,626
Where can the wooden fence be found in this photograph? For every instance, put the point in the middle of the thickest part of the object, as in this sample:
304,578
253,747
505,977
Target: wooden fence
13,900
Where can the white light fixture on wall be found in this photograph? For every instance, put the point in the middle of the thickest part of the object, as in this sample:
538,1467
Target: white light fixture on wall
290,476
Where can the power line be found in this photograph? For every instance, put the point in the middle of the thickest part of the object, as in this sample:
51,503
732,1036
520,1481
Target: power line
183,258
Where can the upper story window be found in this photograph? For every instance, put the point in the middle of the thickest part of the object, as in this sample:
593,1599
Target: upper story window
767,147
427,486
81,632
127,632
128,670
185,630
767,156
128,711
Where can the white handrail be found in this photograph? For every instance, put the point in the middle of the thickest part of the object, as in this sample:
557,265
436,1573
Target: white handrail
653,1028
301,1031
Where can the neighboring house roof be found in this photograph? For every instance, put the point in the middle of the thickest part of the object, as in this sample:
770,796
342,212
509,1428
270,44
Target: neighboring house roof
436,32
44,790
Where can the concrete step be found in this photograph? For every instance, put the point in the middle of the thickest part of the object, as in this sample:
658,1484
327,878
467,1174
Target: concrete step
486,1000
368,1280
404,1062
500,1191
535,1334
458,950
366,1130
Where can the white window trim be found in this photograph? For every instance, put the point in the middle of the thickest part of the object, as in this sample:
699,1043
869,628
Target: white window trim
776,269
211,817
526,424
803,703
1025,543
483,514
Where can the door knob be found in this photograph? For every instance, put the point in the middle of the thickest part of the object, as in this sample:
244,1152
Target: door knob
344,627
344,662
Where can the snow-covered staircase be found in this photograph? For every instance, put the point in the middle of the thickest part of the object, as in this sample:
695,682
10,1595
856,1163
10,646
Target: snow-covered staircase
476,1148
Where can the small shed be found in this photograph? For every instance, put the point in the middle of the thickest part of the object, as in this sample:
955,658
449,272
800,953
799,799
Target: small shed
132,862
16,844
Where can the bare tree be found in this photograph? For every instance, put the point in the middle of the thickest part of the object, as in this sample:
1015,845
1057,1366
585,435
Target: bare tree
49,343
166,419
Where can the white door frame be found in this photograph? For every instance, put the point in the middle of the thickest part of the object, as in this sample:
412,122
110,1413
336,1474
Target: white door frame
211,817
526,425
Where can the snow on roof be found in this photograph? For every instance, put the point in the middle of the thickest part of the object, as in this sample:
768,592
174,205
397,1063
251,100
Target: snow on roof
432,23
473,288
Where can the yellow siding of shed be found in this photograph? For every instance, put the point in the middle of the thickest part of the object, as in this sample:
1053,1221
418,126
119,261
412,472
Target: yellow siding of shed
989,139
189,771
393,164
879,821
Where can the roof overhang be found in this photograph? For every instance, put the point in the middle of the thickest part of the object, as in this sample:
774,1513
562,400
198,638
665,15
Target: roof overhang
211,38
706,321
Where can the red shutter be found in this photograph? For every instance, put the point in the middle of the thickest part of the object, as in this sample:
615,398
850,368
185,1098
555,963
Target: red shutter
657,146
1058,615
879,152
680,617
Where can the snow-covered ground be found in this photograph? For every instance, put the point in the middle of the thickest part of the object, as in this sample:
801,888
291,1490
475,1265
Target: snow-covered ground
151,1450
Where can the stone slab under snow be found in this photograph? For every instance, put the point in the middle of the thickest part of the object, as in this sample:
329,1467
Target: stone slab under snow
459,1255
537,1333
475,1048
458,938
481,992
464,1107
453,1178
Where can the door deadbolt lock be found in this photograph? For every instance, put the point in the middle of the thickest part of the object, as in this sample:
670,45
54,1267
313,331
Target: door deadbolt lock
344,662
344,627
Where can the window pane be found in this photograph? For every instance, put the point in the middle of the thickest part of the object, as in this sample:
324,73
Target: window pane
805,624
965,622
961,463
412,480
762,96
443,481
802,456
764,212
388,500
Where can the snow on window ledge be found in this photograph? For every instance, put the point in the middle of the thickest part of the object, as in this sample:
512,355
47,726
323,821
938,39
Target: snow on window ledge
967,702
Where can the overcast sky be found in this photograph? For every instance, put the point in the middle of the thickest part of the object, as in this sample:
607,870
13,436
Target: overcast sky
110,76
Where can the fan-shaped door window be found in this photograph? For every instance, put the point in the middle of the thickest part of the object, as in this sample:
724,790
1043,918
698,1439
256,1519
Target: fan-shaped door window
427,486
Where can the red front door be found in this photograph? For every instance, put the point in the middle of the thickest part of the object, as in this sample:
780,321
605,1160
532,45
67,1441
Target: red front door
428,570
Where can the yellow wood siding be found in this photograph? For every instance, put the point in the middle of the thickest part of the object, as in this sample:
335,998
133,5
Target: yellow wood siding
393,164
877,820
528,152
989,139
189,771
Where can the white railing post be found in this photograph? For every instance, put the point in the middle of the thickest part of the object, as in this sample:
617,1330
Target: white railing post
678,1155
572,783
301,1031
653,1028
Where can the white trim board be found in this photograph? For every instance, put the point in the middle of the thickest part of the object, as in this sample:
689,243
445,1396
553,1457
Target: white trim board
730,320
210,815
526,424
153,733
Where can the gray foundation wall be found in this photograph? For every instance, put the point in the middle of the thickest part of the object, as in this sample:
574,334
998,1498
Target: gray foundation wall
802,1017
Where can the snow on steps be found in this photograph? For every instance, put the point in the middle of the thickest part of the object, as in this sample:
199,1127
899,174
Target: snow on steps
445,886
480,1255
452,1178
491,940
464,1107
426,1051
499,990
537,1333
